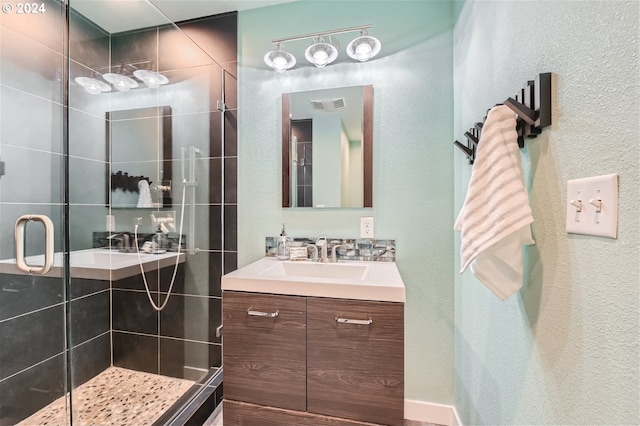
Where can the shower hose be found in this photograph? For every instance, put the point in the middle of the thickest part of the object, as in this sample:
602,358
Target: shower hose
175,268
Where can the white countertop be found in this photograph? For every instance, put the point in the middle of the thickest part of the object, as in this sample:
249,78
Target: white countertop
98,264
379,281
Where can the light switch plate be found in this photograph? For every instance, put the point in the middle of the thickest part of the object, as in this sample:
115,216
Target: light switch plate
583,197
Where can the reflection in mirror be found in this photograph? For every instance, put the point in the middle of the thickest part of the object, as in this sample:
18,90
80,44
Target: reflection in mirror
327,148
139,175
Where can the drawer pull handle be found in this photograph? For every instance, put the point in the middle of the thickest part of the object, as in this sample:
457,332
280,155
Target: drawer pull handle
262,314
354,321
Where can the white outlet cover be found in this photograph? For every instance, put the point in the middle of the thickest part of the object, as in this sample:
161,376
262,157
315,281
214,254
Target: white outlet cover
586,192
366,227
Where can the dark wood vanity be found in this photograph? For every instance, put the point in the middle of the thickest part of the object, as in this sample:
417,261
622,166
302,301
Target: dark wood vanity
298,360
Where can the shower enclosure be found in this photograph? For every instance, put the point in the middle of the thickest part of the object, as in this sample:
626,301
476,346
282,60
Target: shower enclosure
96,108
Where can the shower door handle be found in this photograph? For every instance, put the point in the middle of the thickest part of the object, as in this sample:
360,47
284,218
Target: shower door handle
19,237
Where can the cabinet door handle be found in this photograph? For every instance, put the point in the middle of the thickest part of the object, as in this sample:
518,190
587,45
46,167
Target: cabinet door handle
354,321
253,313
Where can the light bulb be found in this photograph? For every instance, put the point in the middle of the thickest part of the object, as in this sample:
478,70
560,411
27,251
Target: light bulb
151,79
92,85
364,47
280,60
320,58
121,86
280,64
321,53
363,51
94,89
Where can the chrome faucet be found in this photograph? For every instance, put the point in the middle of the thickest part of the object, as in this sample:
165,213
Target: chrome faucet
334,256
123,237
322,243
314,253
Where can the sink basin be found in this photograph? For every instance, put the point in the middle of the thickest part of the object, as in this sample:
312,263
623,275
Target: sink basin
346,271
379,281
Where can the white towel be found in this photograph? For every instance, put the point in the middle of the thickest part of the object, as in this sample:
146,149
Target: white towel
144,197
495,220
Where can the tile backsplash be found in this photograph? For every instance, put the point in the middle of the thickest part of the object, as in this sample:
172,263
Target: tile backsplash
357,248
100,240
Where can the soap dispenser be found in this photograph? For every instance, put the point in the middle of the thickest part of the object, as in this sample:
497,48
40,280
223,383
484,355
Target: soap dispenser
159,240
282,249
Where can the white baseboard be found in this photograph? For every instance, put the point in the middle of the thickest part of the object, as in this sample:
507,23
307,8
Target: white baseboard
431,412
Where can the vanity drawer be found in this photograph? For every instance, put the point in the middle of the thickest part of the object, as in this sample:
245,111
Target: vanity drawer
355,370
265,349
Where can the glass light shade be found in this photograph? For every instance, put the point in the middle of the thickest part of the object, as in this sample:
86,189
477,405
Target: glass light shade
151,79
320,53
92,85
280,60
363,48
122,83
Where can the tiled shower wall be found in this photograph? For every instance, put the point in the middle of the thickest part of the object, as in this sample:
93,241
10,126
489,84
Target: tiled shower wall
302,130
32,328
180,341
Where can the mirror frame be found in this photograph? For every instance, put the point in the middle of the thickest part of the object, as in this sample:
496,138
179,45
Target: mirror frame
367,147
167,147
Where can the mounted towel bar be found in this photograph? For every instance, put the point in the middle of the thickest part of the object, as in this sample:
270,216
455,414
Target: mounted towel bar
533,107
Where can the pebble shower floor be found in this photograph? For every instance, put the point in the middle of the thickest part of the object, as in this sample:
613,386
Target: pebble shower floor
116,396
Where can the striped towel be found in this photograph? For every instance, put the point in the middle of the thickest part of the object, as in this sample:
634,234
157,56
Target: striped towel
495,219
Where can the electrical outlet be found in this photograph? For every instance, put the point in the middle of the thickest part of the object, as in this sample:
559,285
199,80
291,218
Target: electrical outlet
366,227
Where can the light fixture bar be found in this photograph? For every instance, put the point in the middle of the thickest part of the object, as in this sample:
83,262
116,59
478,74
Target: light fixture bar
322,34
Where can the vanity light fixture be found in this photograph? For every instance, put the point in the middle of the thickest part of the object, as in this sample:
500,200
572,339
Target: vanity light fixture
280,60
121,78
122,83
324,49
321,53
93,85
364,47
151,79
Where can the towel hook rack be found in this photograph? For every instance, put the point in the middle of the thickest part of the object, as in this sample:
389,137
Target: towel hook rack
532,105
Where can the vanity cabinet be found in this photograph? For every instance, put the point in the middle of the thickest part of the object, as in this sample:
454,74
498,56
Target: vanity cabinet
265,349
355,359
318,361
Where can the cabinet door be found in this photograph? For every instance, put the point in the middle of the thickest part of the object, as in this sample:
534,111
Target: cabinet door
264,349
355,369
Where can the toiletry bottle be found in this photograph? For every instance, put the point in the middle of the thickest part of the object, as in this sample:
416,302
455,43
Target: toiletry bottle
282,249
159,240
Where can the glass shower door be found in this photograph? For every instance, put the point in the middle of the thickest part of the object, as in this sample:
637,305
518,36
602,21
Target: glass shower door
32,187
141,95
60,330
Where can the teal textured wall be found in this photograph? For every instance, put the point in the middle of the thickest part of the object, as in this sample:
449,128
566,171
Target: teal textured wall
564,350
412,156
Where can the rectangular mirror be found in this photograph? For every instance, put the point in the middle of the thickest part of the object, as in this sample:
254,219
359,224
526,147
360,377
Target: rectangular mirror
139,149
327,148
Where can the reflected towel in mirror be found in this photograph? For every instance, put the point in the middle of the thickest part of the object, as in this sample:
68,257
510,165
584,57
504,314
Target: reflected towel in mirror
144,199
